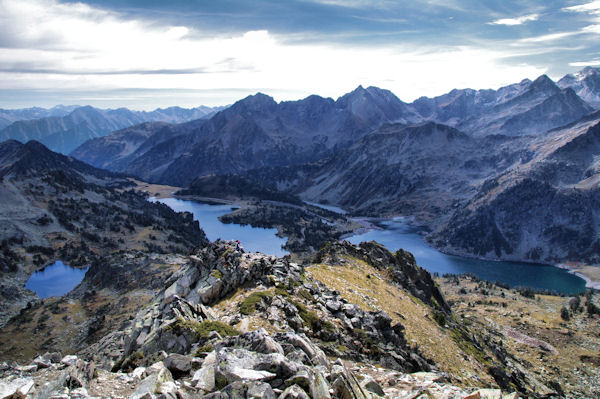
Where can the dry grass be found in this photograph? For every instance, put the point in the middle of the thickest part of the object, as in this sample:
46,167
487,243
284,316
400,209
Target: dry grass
155,190
537,318
367,287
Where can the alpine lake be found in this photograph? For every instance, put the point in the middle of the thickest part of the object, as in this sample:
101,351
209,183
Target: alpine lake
394,234
58,278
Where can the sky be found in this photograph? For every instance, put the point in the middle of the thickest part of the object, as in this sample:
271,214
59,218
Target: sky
144,54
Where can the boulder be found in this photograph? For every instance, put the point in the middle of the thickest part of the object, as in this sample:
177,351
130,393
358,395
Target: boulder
294,392
41,362
369,384
139,373
69,360
345,385
248,390
204,378
333,305
312,381
260,390
178,365
16,387
256,341
157,383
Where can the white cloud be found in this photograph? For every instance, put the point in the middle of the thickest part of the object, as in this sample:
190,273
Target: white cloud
550,37
515,21
580,64
592,7
592,29
59,46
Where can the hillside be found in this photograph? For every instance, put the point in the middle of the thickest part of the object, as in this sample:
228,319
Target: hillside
542,209
55,207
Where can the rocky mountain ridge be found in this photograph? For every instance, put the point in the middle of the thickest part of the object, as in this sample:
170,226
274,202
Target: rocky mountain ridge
278,336
8,116
257,132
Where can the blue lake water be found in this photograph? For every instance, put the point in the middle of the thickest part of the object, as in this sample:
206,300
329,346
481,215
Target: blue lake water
56,279
397,233
254,239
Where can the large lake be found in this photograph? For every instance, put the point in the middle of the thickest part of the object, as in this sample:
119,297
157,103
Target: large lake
398,233
56,279
254,239
394,234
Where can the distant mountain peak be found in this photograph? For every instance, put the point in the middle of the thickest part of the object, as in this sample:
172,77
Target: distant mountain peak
255,102
544,84
587,71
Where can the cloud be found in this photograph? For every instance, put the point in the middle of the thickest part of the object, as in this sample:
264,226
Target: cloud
50,46
581,64
515,21
550,37
592,7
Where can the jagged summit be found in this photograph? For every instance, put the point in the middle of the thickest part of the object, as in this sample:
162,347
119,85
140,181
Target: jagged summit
254,102
586,84
544,84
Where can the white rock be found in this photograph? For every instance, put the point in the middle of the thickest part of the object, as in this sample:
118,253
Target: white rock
139,373
248,374
18,386
69,360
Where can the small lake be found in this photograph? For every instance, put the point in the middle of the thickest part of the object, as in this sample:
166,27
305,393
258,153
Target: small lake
56,279
253,239
398,233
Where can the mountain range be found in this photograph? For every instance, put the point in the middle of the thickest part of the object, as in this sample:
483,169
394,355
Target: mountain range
64,128
453,161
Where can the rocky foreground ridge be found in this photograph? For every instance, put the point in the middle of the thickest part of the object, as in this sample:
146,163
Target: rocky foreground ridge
235,325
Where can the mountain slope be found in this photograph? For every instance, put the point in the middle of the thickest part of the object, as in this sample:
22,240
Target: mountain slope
414,169
109,151
8,116
63,134
542,209
56,207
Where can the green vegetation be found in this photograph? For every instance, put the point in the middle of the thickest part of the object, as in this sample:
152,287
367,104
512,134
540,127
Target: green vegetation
342,348
439,318
202,350
128,363
462,340
312,319
216,274
281,291
248,306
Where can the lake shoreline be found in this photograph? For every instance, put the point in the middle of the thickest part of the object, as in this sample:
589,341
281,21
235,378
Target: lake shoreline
417,243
